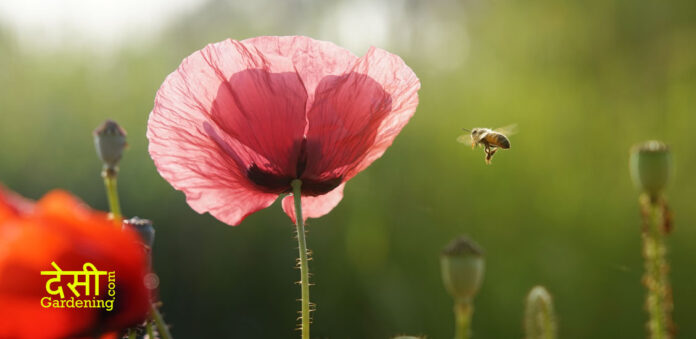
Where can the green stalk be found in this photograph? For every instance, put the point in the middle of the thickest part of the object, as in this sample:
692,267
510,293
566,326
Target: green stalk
109,176
304,266
150,332
112,193
162,327
115,208
658,300
463,309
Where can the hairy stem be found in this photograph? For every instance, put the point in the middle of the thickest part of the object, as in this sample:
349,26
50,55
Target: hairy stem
658,300
304,268
162,327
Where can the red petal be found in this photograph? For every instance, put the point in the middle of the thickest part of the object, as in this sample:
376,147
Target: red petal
13,205
356,116
226,108
62,229
314,207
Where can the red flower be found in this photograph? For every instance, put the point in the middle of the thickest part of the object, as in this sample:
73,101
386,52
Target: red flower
61,229
239,120
13,205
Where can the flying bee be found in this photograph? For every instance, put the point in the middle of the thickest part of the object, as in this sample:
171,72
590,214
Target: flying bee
490,139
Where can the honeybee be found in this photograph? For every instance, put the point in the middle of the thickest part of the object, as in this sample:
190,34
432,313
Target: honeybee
491,139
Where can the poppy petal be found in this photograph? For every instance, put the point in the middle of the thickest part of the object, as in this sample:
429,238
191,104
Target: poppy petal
359,113
226,109
312,60
314,207
12,204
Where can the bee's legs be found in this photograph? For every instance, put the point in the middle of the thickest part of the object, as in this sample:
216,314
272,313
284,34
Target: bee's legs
489,154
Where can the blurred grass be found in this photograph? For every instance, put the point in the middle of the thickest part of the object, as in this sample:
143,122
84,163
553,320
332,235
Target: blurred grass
583,80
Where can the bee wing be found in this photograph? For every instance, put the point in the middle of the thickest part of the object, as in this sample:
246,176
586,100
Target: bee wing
464,139
507,130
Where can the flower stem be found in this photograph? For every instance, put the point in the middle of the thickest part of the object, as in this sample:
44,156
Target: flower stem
109,176
115,208
658,300
304,267
162,328
150,332
463,309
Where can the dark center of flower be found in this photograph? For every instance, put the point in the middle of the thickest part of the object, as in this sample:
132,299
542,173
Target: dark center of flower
270,182
267,181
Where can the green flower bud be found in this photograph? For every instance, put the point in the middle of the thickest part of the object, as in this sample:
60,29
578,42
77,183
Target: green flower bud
650,164
110,141
462,265
539,317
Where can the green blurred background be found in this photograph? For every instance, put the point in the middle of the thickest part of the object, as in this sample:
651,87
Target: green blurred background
583,80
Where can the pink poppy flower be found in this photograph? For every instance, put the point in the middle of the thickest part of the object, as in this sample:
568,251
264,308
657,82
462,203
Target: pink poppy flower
239,120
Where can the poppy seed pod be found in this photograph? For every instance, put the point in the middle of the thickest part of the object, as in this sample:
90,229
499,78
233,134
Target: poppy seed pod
650,165
539,317
144,228
462,265
110,141
146,233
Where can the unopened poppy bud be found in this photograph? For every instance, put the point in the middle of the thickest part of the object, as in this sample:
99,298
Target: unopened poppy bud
539,317
144,228
462,265
650,165
110,141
